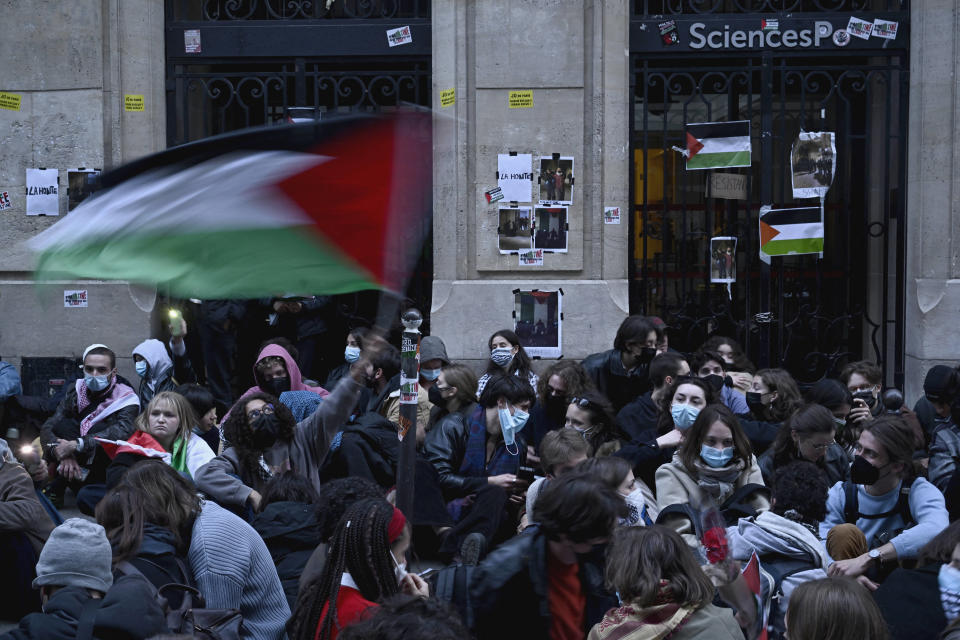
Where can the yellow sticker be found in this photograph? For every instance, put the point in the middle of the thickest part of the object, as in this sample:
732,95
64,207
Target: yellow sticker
10,101
521,99
448,97
132,102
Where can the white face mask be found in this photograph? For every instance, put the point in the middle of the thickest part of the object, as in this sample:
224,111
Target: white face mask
636,505
399,568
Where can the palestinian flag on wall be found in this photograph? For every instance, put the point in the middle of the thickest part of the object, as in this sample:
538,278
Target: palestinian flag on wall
790,231
326,207
716,145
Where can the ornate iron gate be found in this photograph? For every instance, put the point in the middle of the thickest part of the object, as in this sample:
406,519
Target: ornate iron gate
807,314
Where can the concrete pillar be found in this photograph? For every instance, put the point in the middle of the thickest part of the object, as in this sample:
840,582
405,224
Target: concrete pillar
933,183
573,56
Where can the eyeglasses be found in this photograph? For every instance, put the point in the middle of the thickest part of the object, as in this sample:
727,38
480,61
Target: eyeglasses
266,409
583,403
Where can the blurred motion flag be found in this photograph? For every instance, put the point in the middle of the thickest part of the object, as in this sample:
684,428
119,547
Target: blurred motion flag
322,207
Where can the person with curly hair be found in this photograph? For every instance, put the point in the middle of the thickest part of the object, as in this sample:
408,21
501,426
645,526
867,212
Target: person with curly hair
773,395
263,439
404,617
561,381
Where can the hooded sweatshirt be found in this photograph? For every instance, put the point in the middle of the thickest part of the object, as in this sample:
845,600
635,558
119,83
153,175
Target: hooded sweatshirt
159,369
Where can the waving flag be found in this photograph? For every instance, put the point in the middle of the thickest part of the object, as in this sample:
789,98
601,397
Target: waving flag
140,443
715,145
320,208
790,231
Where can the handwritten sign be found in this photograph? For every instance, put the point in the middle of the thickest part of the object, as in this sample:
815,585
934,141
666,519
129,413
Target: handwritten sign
43,192
133,102
729,186
515,176
521,99
448,97
10,101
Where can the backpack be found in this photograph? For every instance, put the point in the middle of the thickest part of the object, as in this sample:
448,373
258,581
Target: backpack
735,507
452,585
851,507
780,567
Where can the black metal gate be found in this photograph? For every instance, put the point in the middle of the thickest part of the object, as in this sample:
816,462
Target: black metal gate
806,314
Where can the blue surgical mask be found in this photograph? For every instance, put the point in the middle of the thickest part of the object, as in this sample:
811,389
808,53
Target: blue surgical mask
684,415
141,367
96,383
510,424
351,354
716,458
501,356
430,374
949,578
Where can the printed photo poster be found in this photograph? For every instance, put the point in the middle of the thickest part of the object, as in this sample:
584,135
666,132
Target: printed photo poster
43,192
723,259
538,322
813,161
81,183
550,229
515,176
513,234
556,179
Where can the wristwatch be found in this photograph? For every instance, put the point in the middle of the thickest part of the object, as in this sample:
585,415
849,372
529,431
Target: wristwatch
875,555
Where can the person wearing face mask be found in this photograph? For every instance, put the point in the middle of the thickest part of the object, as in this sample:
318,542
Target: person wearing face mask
477,461
561,381
262,439
773,395
507,357
351,353
737,366
807,435
835,397
591,416
641,415
366,564
101,404
622,373
864,380
711,367
882,514
941,389
617,474
714,464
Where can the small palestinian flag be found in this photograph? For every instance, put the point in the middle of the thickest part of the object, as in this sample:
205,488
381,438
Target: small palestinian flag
790,232
715,145
770,24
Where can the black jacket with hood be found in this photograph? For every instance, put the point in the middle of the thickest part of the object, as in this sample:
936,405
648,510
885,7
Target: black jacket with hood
292,532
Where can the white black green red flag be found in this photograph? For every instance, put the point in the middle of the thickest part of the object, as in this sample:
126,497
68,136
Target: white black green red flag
786,232
716,145
321,208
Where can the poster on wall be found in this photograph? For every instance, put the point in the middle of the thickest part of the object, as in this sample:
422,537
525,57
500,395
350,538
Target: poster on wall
550,229
81,183
43,192
813,161
515,176
723,256
538,322
513,234
556,179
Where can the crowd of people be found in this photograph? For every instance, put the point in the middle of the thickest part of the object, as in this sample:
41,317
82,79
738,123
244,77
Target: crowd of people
642,493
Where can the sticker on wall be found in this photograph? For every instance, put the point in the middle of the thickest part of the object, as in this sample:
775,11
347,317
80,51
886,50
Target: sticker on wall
515,176
133,102
611,215
398,36
859,28
448,97
813,161
556,179
531,258
43,192
550,229
770,24
669,33
10,101
538,321
520,99
841,38
81,183
74,298
513,234
723,254
5,200
886,29
191,41
493,195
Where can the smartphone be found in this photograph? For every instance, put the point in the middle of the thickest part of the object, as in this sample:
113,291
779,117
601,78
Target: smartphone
525,474
175,317
425,574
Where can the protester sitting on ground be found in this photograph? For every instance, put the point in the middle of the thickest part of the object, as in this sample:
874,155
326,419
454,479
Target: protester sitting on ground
79,593
405,617
229,562
864,380
24,527
591,416
882,514
713,465
102,404
351,354
712,367
834,609
157,369
941,389
561,451
564,379
641,415
773,395
547,582
738,367
507,357
288,523
663,591
366,563
433,357
205,409
622,373
808,435
263,440
785,538
454,392
617,474
921,602
833,395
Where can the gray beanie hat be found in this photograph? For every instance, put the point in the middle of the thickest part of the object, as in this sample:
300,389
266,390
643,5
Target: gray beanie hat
77,554
432,348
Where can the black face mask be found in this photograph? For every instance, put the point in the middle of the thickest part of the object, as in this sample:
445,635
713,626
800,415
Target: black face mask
714,380
277,385
436,397
862,472
866,396
646,354
266,430
755,401
556,408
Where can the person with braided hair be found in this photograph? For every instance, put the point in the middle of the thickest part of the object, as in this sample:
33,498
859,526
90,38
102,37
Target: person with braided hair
365,565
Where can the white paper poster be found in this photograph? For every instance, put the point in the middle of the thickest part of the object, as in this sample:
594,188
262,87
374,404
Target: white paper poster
515,176
43,192
813,161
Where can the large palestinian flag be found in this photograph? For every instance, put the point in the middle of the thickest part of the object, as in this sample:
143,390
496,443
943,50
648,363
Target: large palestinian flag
715,145
790,231
313,208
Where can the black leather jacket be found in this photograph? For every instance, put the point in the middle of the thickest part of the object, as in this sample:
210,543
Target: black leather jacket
612,380
511,585
445,447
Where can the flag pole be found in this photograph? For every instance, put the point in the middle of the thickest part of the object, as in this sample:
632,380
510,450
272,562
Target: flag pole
409,395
